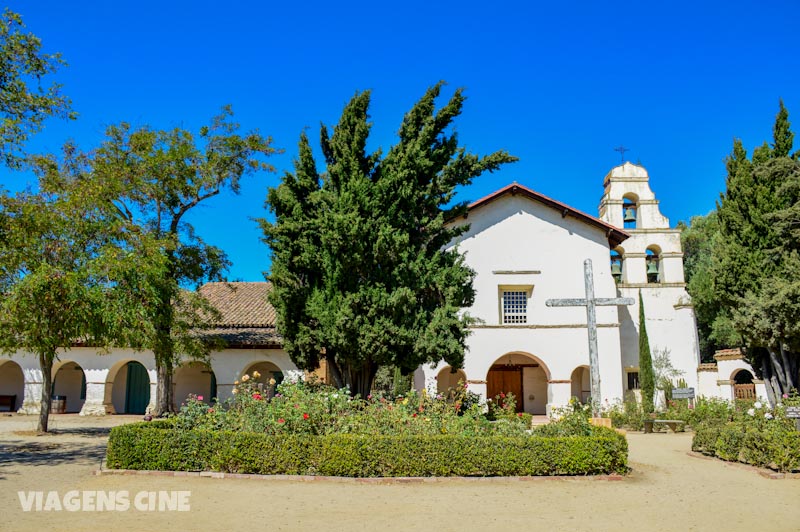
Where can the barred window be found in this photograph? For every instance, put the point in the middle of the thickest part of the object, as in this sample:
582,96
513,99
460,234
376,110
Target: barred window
515,306
633,380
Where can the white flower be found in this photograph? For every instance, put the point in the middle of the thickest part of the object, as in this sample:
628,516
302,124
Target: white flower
757,404
780,405
751,412
767,416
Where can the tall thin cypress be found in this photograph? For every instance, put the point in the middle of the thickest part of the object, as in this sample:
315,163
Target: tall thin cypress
646,376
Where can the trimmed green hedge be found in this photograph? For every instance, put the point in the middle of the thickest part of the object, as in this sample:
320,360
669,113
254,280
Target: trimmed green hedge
774,448
158,446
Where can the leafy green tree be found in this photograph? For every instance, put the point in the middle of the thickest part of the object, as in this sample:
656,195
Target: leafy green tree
715,328
24,102
153,179
646,376
58,257
755,265
360,273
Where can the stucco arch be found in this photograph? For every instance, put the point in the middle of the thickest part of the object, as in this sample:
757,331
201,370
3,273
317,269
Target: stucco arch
523,375
446,380
581,383
116,387
12,382
193,378
742,376
69,380
266,369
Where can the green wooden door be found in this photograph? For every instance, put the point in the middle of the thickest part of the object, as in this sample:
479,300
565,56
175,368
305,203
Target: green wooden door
137,391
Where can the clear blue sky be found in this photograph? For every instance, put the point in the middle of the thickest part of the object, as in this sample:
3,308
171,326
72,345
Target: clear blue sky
558,84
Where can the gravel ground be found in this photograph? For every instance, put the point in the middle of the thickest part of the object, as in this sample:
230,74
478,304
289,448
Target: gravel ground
667,490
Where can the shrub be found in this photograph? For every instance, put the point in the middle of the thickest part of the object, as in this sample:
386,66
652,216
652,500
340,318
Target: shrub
162,446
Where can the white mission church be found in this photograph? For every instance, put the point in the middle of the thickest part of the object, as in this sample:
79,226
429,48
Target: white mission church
525,248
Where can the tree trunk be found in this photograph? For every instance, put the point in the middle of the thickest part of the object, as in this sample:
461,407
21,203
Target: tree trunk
46,365
164,399
360,379
336,372
766,374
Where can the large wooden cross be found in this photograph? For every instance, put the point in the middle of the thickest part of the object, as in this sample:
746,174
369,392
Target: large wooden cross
590,302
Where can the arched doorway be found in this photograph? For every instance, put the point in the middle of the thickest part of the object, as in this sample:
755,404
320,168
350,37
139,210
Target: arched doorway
70,381
194,378
12,386
581,384
131,389
522,375
743,385
447,381
266,370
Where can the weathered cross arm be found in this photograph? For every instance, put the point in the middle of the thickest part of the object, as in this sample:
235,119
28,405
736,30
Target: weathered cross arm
600,302
590,302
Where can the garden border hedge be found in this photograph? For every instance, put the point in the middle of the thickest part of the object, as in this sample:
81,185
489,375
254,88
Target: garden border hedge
775,449
158,446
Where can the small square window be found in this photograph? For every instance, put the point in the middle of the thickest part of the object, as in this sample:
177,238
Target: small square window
515,306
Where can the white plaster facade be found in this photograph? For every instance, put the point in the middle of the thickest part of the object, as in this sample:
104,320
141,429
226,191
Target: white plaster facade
105,377
518,241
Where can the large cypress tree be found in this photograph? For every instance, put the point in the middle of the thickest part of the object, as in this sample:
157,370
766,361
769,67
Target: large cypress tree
359,270
647,380
756,265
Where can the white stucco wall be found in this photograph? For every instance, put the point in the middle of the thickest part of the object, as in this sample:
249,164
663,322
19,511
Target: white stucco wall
515,234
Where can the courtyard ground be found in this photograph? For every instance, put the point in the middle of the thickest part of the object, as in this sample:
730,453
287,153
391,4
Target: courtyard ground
666,490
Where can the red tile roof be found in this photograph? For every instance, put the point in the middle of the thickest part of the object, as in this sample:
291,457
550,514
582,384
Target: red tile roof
615,235
247,318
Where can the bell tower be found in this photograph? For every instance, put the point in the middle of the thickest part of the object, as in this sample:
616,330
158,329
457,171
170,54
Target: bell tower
653,254
650,262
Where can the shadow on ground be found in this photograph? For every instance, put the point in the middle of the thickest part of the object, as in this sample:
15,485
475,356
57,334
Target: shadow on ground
44,453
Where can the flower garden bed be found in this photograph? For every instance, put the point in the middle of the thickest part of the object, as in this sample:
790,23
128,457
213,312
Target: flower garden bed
159,446
302,429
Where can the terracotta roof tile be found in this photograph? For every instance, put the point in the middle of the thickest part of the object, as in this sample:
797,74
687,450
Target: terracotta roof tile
243,305
247,318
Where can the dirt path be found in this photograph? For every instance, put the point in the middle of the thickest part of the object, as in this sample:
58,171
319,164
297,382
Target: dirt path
668,490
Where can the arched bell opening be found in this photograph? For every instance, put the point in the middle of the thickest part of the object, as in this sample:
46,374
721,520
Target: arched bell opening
653,264
630,211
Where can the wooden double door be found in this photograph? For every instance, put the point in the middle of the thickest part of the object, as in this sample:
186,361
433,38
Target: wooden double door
506,379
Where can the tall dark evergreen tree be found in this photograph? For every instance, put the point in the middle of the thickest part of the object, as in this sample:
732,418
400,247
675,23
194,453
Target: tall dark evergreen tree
360,273
755,266
647,380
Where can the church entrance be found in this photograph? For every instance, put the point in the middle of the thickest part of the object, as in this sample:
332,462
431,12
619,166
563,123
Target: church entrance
523,376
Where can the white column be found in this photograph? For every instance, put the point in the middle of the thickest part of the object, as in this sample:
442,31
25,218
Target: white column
95,404
32,397
151,406
559,393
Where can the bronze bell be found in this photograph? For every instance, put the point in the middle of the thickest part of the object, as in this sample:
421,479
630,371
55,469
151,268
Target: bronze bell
616,268
652,266
629,215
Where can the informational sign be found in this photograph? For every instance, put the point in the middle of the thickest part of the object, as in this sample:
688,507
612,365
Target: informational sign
683,393
793,412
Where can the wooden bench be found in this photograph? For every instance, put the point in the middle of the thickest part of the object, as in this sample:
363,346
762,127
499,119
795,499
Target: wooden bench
671,423
7,403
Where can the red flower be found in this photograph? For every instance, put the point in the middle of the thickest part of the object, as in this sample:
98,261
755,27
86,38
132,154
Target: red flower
281,420
305,416
519,414
413,415
257,396
210,410
502,396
